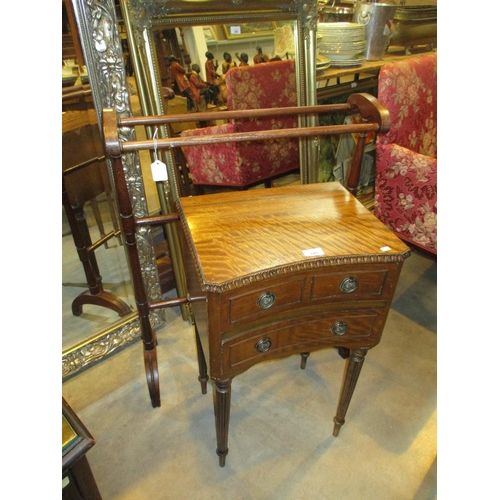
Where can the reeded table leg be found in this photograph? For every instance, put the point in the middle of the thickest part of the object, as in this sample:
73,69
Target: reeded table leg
222,410
351,374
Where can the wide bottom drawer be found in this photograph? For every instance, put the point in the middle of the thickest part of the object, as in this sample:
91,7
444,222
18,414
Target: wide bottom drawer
346,329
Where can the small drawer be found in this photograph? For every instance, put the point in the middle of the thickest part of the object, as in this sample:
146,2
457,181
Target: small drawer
310,333
349,285
263,301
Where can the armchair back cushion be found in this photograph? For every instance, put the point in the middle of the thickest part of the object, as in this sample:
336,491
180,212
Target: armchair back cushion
408,89
406,177
266,85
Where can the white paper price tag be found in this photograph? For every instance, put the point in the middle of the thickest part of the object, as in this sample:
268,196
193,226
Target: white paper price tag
159,171
313,252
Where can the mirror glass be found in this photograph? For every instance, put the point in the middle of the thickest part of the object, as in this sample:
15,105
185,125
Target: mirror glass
187,30
125,44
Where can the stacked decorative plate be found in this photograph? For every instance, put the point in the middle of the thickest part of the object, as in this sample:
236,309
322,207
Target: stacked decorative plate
342,43
322,62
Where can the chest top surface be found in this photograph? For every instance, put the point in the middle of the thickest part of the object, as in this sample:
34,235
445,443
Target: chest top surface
239,237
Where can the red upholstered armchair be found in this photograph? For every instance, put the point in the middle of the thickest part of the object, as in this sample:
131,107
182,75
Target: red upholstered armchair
406,178
243,164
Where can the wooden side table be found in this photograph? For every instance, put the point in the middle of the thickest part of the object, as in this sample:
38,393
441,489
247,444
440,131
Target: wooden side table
286,271
78,480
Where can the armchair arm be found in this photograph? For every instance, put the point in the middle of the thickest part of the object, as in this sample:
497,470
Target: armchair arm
406,194
212,163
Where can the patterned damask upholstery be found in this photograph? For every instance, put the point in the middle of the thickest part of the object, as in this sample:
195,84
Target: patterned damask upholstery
406,178
268,85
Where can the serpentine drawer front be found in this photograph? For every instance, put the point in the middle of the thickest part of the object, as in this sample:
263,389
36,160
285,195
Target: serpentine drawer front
306,334
286,271
279,296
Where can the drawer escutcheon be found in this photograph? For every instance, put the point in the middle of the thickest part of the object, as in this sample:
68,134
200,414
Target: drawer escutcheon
263,345
339,328
266,300
349,284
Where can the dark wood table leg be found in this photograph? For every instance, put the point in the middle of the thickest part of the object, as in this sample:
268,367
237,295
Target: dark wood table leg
343,352
353,368
222,411
303,359
202,364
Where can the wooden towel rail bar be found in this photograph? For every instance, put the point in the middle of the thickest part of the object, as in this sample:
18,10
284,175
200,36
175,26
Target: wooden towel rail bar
375,117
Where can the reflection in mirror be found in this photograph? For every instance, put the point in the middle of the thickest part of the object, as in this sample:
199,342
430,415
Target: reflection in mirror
158,30
125,59
97,289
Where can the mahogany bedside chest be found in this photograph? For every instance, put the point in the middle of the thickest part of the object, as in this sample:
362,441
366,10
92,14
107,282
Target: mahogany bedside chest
286,271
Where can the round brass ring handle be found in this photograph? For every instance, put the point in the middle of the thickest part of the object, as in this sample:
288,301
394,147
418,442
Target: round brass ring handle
339,328
266,300
263,345
349,284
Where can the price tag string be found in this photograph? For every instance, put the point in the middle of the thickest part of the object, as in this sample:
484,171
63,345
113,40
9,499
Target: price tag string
158,168
155,144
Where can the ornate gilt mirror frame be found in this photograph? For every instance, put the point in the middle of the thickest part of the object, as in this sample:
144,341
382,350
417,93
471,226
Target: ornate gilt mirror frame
101,43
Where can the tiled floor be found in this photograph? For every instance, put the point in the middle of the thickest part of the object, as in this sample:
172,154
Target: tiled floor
280,441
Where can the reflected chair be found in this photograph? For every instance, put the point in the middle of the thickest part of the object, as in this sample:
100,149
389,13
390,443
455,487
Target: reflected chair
244,164
406,163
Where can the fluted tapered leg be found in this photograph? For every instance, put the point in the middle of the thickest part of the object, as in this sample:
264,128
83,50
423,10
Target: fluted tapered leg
353,368
222,411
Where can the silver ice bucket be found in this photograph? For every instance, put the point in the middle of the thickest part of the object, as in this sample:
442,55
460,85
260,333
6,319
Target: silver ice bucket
377,19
